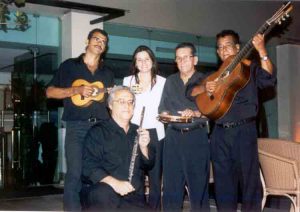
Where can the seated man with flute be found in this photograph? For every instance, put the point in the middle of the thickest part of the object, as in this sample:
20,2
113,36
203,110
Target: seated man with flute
110,163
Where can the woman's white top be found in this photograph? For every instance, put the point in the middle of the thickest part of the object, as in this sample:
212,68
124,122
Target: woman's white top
150,99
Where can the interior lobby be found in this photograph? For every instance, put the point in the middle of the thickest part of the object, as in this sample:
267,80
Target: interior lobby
37,36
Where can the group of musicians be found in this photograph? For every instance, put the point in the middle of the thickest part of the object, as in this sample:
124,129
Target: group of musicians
103,170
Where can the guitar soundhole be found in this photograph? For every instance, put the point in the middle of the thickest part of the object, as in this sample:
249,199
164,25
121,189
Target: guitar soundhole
211,97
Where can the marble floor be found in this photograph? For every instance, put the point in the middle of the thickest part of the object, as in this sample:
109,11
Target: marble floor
54,203
51,199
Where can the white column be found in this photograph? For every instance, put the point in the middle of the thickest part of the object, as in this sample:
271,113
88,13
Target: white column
288,88
75,28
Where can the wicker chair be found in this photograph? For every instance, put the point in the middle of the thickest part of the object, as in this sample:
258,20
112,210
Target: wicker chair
280,169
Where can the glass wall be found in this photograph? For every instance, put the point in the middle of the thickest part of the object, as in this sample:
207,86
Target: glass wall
35,131
28,131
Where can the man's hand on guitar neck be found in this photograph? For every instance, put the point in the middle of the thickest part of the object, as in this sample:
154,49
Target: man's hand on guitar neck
258,42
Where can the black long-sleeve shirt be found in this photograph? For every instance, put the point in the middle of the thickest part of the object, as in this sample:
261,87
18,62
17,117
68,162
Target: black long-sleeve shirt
174,97
108,152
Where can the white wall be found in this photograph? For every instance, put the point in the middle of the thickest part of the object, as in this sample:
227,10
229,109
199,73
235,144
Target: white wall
200,17
288,86
75,28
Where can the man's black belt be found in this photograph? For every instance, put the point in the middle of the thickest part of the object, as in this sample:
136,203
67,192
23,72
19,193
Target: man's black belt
234,124
189,129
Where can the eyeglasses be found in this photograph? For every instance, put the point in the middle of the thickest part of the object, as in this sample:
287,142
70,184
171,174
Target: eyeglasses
99,40
228,46
124,102
183,59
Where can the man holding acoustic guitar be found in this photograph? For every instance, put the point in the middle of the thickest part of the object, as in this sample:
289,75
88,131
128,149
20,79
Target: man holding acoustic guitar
81,83
234,138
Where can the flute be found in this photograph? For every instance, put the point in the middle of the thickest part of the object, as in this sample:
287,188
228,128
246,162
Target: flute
135,148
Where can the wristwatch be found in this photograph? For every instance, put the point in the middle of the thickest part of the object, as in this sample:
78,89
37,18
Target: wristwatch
264,58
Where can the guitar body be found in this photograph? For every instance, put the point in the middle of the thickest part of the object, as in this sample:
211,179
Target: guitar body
216,104
97,95
234,73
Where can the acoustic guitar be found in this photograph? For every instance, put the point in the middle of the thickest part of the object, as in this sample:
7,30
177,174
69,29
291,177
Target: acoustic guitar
234,73
97,95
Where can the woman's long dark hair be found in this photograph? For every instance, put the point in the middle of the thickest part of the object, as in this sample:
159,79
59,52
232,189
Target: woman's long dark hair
154,69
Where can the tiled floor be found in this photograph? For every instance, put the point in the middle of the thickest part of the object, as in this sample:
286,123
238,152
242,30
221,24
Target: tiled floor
54,203
42,203
50,198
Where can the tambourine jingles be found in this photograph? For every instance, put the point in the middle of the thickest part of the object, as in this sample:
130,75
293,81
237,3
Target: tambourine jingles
165,118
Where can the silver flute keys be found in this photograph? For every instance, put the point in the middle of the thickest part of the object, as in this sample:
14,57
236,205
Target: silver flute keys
135,148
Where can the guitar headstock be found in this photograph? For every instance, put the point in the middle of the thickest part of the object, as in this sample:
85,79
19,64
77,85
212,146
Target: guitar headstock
281,15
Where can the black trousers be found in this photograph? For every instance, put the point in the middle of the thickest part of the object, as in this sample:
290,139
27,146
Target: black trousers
74,142
186,162
102,197
235,163
155,174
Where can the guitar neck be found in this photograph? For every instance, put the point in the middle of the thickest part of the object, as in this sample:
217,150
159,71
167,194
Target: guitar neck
247,49
264,29
102,90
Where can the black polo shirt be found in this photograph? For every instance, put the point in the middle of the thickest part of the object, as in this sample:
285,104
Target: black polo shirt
108,151
174,97
73,69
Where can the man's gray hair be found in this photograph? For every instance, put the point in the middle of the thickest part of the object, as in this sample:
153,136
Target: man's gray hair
118,88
